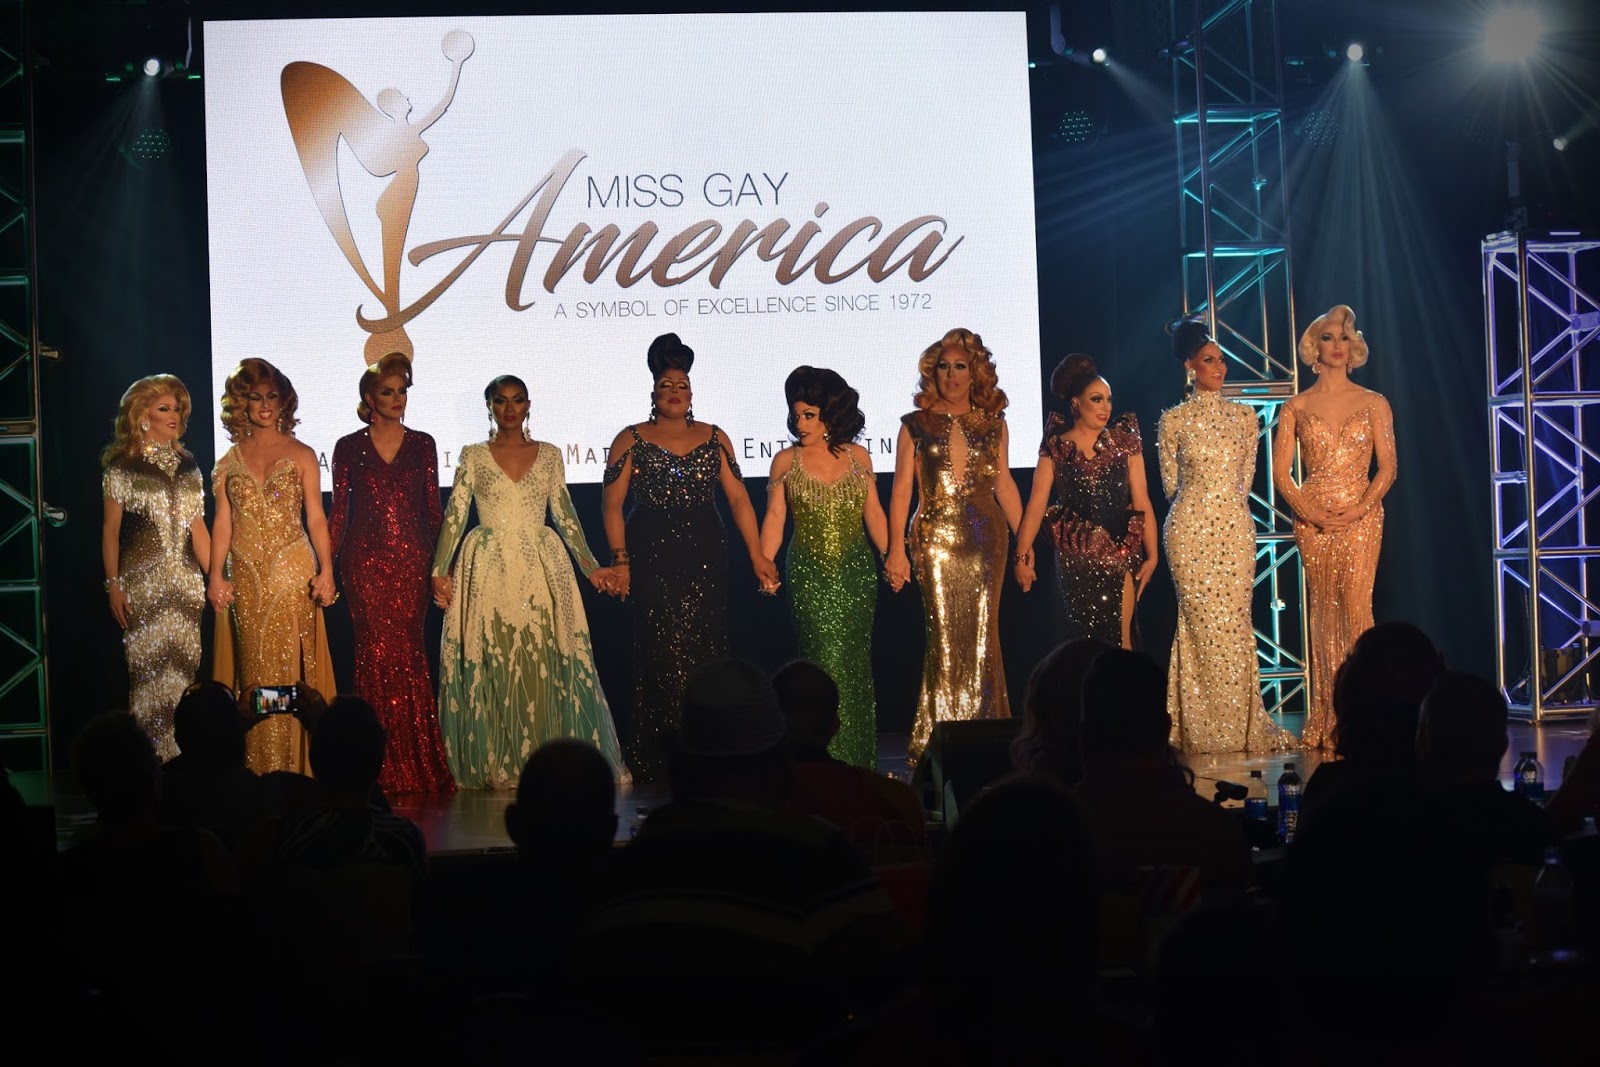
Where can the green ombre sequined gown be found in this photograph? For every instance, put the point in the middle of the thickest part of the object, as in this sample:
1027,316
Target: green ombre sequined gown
833,581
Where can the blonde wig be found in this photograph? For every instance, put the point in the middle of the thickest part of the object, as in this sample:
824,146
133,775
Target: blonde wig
395,364
254,374
1335,316
986,392
128,436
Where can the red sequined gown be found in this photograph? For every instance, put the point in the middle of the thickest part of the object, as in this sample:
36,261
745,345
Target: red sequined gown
384,523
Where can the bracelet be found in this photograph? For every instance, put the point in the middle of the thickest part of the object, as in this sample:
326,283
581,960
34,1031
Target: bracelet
1019,559
109,582
619,557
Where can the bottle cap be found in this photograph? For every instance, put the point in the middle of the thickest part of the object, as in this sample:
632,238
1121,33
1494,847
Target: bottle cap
1287,767
1255,774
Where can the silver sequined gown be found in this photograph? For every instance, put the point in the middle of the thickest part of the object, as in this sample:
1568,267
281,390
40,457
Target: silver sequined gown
161,494
1208,456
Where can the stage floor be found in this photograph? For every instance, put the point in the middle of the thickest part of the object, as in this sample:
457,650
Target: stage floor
474,820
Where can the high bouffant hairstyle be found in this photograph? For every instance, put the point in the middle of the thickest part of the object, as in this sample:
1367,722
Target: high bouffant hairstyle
127,438
395,363
1071,377
253,374
668,352
1189,335
1339,315
502,380
986,391
832,396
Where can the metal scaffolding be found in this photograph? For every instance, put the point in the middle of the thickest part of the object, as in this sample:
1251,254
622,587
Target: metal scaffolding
1541,325
24,732
1227,96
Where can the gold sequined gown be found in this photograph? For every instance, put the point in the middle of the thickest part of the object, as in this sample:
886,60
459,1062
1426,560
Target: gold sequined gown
275,631
1208,457
958,548
1340,564
161,494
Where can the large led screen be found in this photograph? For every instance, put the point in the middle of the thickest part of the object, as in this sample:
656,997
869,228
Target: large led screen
544,195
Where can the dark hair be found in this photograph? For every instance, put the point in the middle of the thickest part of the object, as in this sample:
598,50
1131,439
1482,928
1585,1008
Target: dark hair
347,745
809,698
117,766
1461,727
566,800
832,396
1124,706
503,380
1189,335
395,363
666,353
1378,691
1073,375
1052,710
207,728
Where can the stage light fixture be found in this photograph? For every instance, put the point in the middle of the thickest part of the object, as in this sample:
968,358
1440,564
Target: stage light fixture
152,67
1560,144
1354,52
1512,34
1099,56
1076,126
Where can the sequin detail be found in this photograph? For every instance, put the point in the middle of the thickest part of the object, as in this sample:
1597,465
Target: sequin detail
275,622
1098,536
831,574
161,494
1207,446
1341,564
958,549
384,524
678,550
517,666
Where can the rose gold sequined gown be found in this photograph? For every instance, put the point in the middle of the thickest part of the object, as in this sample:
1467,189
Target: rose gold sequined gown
958,546
1208,458
274,634
161,496
1342,563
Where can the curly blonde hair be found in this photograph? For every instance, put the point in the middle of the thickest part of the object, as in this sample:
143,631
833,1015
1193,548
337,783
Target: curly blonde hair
1340,313
986,392
395,363
127,435
254,374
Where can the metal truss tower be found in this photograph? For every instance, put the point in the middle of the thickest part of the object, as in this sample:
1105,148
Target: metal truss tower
24,733
1542,334
1227,97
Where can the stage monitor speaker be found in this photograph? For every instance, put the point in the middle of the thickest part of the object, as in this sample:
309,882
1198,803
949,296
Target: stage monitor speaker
961,759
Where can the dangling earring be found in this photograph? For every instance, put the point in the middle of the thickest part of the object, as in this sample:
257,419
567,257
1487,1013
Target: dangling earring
688,416
654,413
493,429
144,425
1077,412
526,436
1188,378
827,438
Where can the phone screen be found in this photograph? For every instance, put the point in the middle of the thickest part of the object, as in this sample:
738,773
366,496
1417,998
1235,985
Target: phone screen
274,699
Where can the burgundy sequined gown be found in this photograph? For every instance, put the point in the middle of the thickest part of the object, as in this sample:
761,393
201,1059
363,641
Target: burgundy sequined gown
384,524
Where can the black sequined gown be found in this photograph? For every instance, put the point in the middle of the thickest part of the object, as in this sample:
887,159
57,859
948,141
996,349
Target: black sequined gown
678,551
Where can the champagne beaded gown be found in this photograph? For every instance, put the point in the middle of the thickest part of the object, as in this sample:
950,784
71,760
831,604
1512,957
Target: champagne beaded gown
384,526
161,494
1208,457
1341,563
274,632
1098,535
833,581
517,666
958,549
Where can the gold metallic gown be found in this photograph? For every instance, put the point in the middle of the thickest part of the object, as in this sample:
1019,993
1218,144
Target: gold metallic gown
277,636
161,495
1341,563
1208,460
958,548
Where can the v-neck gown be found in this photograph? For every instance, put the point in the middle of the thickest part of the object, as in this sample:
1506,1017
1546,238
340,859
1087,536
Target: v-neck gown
384,525
517,666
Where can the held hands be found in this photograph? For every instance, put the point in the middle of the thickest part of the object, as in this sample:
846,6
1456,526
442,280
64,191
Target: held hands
766,575
119,604
897,569
613,581
1333,518
322,591
220,594
1025,573
444,590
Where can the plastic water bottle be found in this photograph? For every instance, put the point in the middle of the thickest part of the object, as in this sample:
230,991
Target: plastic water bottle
1528,777
1288,803
1255,798
640,814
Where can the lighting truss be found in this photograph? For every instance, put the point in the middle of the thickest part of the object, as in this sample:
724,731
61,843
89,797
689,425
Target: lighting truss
24,727
1227,96
1542,337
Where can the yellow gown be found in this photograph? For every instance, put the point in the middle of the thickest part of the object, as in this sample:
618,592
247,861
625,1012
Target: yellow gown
1208,460
1341,563
958,548
274,634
